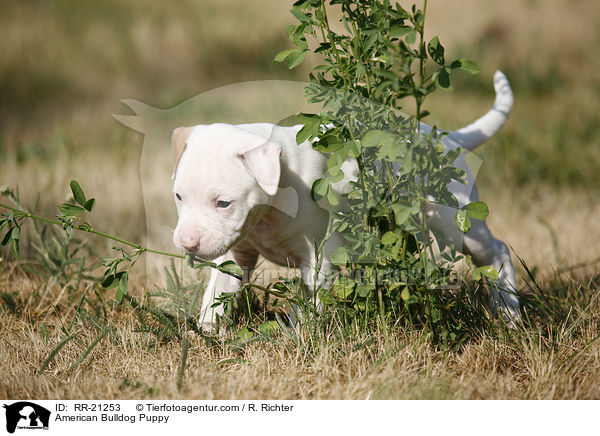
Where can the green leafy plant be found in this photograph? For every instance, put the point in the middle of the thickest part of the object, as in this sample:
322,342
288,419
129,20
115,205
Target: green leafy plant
377,59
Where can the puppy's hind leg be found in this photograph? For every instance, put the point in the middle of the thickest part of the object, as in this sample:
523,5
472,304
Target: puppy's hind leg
311,280
487,250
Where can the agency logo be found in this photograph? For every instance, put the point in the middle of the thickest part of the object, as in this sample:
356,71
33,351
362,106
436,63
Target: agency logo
26,415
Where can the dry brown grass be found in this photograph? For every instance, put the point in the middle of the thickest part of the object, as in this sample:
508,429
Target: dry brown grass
556,362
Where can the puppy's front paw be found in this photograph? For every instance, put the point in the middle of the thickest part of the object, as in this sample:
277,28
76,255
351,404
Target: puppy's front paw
510,315
504,303
507,312
207,324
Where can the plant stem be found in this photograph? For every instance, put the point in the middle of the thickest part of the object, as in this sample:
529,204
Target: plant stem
422,58
379,298
333,46
139,249
366,65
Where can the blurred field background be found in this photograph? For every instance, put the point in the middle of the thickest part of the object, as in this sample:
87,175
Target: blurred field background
65,65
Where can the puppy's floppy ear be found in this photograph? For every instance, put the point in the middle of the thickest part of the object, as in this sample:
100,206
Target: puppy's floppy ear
178,143
263,164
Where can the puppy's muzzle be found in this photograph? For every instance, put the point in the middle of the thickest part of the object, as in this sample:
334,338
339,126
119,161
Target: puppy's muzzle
191,243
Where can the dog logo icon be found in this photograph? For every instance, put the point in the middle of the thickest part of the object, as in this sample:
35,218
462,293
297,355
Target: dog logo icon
26,415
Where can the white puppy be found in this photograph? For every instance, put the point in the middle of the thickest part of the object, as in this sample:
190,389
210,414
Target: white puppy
236,188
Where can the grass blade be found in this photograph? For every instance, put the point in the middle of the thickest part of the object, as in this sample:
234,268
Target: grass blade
54,353
185,343
89,349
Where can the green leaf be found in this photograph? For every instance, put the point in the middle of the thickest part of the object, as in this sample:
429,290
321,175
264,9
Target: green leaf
436,51
477,210
343,289
77,193
13,235
312,124
392,150
268,328
463,223
370,40
366,260
376,138
326,297
112,280
302,4
300,41
443,78
405,294
337,177
488,271
282,55
291,31
332,197
339,256
324,46
345,23
7,237
123,288
465,65
301,16
403,211
328,143
89,205
14,248
70,209
336,160
388,238
364,290
398,31
353,148
16,234
244,334
320,188
296,58
411,37
468,261
230,267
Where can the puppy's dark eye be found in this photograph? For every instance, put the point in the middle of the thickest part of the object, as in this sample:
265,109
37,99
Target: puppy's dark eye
222,204
178,197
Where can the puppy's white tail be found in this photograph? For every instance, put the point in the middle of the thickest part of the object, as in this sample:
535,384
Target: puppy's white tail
476,133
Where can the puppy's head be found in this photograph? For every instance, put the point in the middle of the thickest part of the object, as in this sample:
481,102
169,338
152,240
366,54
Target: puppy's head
224,178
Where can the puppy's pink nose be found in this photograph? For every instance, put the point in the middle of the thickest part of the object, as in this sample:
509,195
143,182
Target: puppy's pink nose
190,243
